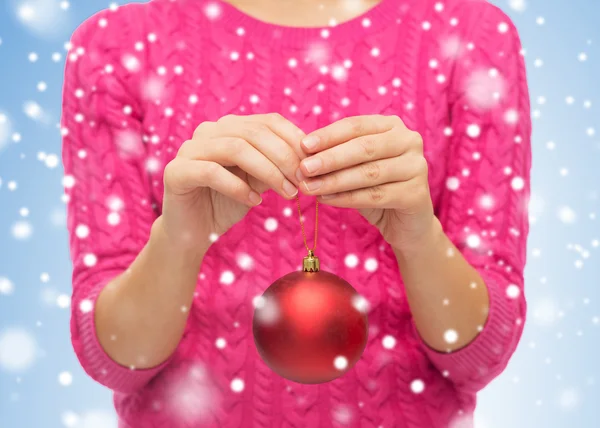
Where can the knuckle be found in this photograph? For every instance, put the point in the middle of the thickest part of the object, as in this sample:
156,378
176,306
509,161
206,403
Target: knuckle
201,130
274,176
416,140
371,170
236,144
291,159
368,145
421,165
355,123
396,120
275,117
351,194
228,118
376,193
239,188
209,170
329,162
184,149
252,131
168,174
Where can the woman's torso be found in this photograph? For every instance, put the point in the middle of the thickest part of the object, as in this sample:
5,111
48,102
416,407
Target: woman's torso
194,69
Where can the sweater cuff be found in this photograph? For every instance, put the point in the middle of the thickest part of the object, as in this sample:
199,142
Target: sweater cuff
96,362
487,354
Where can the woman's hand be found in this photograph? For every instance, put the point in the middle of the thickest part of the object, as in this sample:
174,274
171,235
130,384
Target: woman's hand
375,164
220,173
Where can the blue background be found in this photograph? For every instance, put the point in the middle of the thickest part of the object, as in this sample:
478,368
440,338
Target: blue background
553,379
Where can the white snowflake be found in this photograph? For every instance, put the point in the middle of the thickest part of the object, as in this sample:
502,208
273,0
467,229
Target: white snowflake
227,277
388,342
86,306
237,385
567,215
340,362
22,230
517,5
271,224
545,311
65,378
18,350
485,88
6,286
351,260
417,386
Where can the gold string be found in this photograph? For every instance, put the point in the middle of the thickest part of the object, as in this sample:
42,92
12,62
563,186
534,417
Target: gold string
302,225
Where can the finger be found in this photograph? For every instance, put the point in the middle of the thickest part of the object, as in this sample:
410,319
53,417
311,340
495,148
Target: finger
354,152
258,186
372,197
400,195
287,130
369,174
183,175
272,135
234,151
346,129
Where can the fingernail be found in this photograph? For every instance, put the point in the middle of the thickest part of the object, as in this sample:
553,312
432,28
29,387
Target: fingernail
312,164
310,142
313,184
331,196
255,198
289,188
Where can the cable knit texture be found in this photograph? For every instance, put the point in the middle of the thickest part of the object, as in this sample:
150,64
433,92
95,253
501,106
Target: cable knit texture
141,77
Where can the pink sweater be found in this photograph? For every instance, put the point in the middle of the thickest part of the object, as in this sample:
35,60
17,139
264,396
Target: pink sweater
140,78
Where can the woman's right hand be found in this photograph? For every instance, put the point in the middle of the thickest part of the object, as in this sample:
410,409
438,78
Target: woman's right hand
219,174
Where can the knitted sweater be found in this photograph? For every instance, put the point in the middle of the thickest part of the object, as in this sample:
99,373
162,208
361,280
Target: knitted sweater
141,77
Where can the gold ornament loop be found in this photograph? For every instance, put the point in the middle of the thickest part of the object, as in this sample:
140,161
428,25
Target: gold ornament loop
311,262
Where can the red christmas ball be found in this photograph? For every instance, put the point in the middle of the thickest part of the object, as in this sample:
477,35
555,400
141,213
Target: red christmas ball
310,327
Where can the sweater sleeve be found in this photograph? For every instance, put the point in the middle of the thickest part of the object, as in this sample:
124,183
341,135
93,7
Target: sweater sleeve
109,204
483,208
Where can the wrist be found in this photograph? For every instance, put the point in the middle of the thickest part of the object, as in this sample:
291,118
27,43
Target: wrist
427,242
188,254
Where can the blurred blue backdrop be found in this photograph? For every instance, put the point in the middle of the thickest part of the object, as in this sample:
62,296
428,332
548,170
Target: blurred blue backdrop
553,380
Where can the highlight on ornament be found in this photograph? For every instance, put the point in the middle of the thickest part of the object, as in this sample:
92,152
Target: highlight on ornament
310,326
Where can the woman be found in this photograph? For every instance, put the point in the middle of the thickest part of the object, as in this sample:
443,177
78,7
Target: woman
189,127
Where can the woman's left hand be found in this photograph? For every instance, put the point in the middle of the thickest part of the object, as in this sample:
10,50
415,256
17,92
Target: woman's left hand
374,164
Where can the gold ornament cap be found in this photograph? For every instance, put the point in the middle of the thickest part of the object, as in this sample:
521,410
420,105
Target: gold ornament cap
311,262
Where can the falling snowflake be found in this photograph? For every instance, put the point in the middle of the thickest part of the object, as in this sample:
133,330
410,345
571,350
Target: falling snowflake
5,129
545,311
517,5
388,342
342,414
227,277
351,260
340,362
371,264
360,303
450,336
271,224
22,230
513,291
18,350
567,215
569,399
245,261
485,88
237,385
417,386
65,378
266,310
6,286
